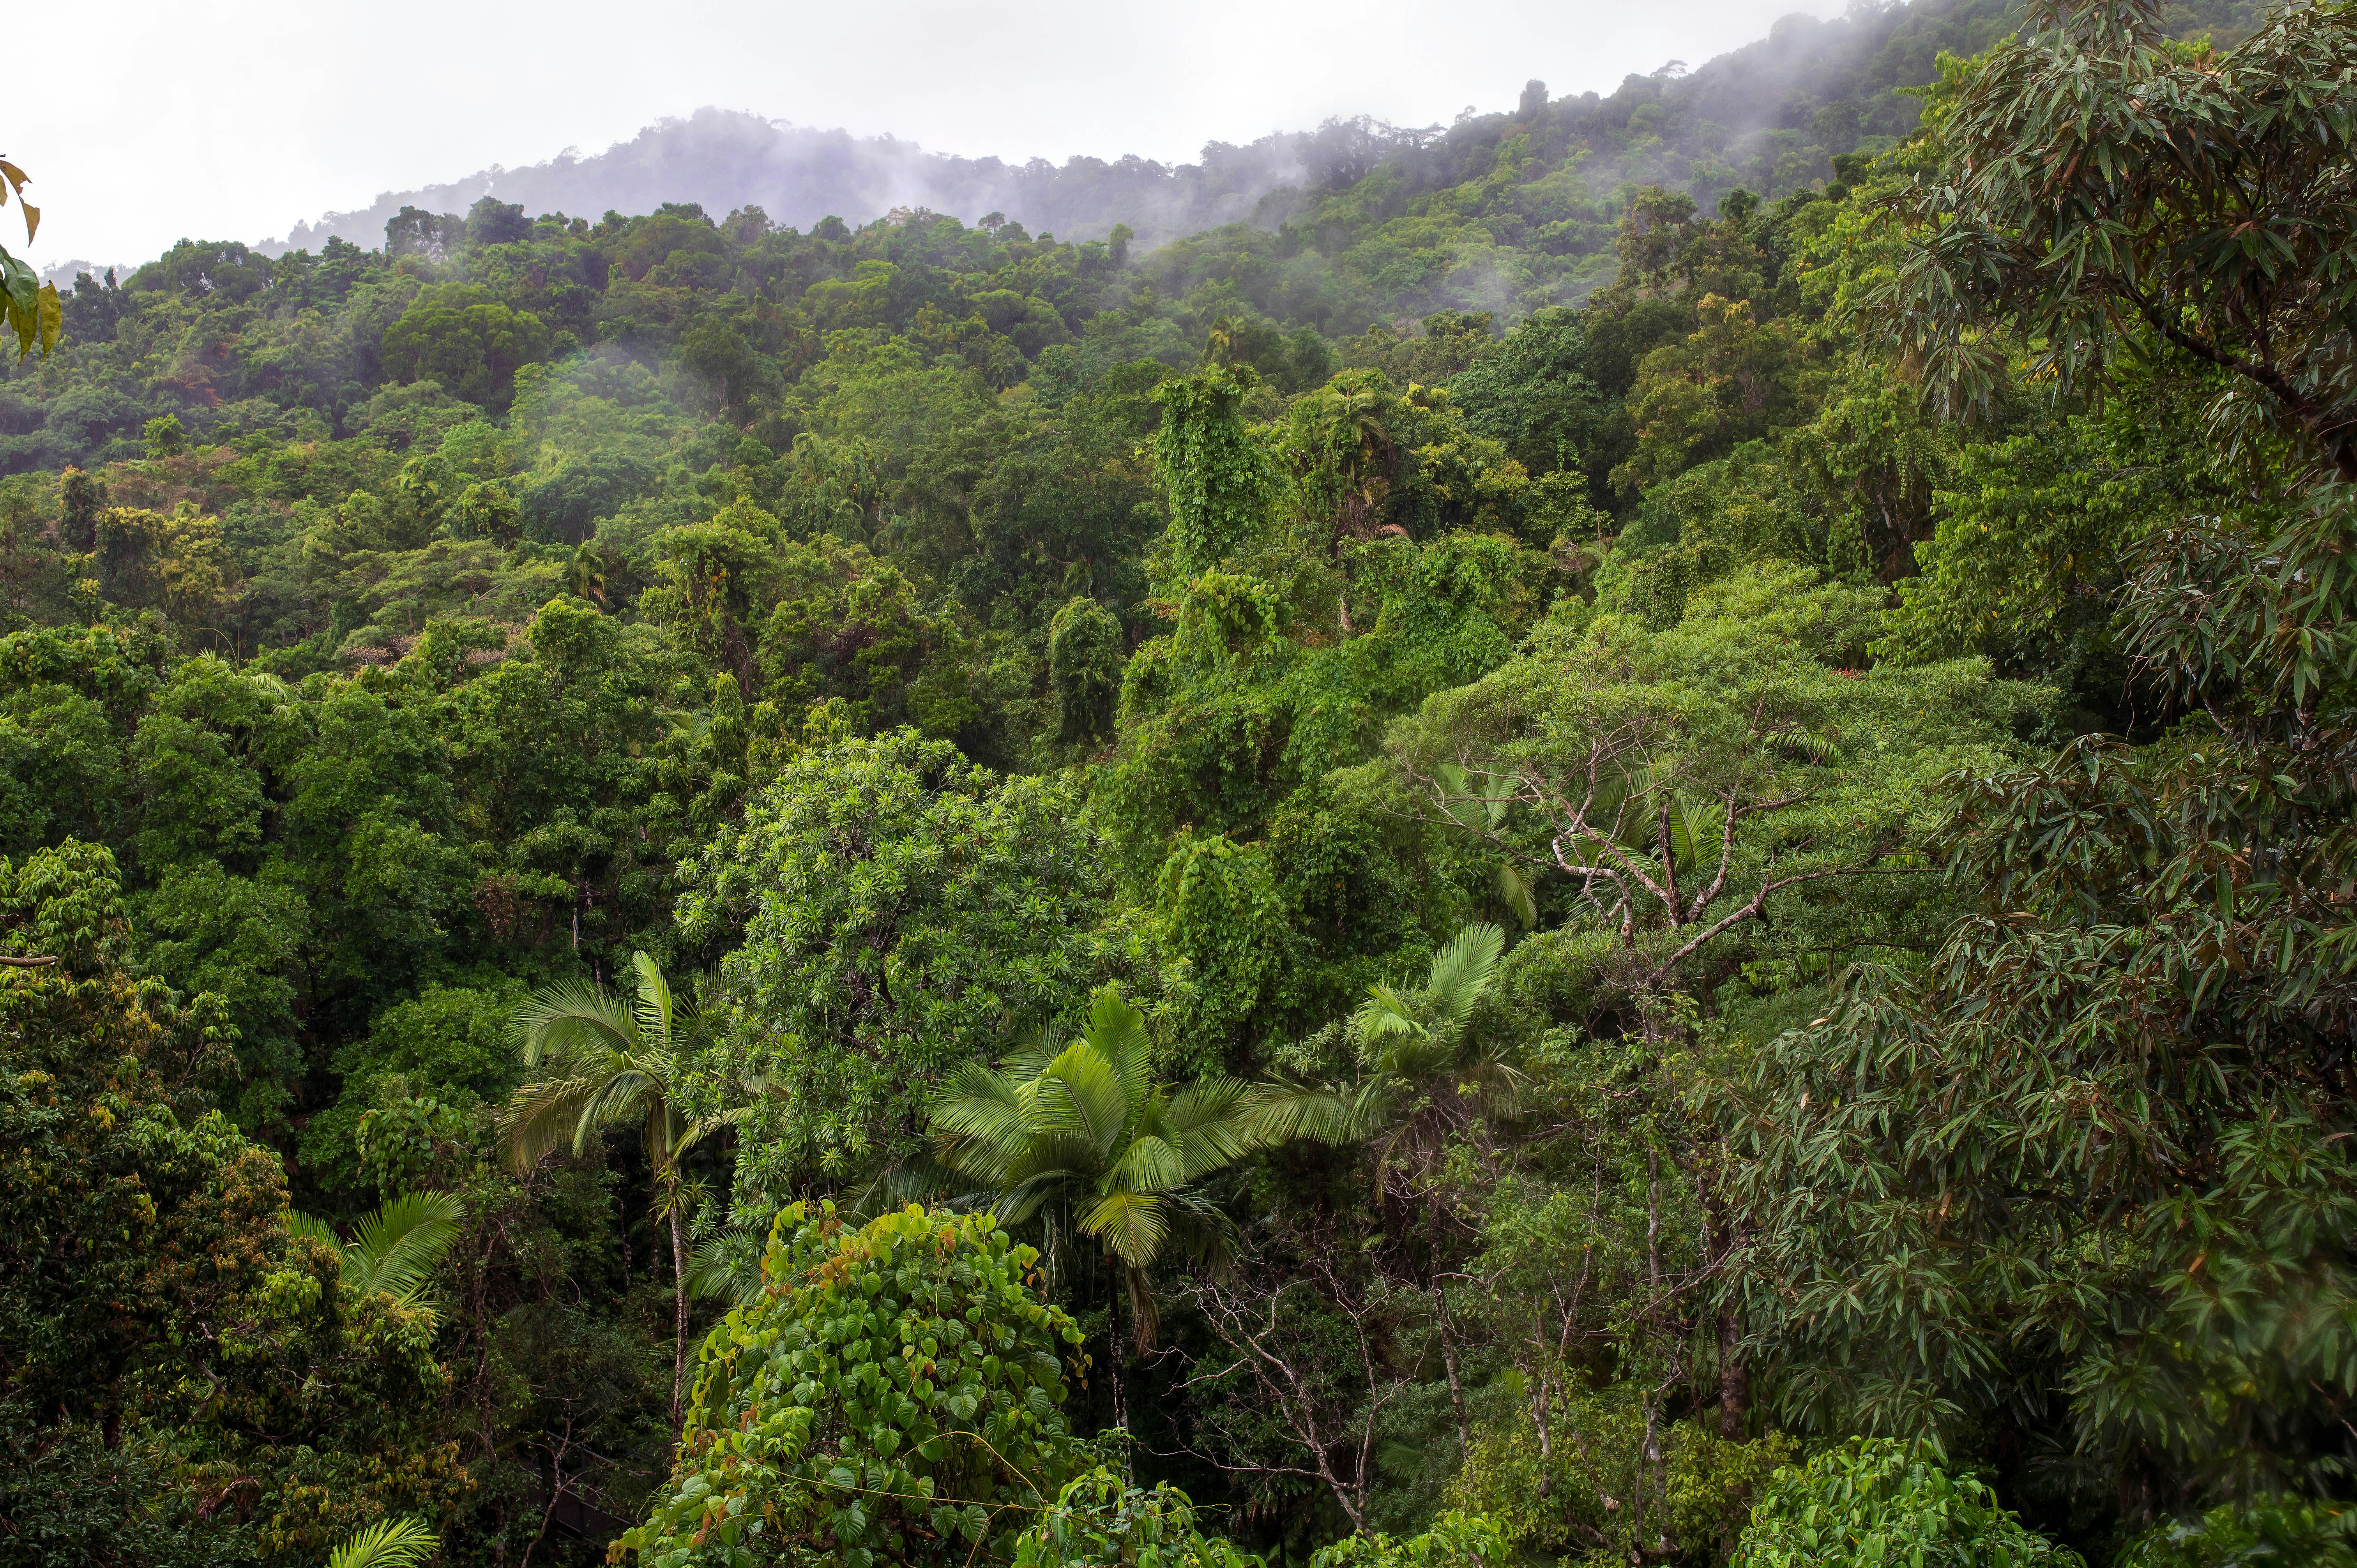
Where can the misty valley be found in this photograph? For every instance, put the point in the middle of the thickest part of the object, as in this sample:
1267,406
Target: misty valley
1624,833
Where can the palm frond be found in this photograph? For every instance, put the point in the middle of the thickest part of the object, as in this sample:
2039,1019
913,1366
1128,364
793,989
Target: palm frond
980,1122
1151,1163
541,1116
1412,1059
389,1543
395,1251
1117,1031
1047,1152
1515,892
653,1008
1684,815
727,1267
695,1133
568,1017
1498,796
1034,1051
1385,1012
1131,1225
1322,1115
1082,1095
1454,789
1214,1119
913,1178
1022,1199
1462,970
1144,1316
1200,1230
620,1096
301,1224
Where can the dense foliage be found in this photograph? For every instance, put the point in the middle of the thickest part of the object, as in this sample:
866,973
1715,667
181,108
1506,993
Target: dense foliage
1626,840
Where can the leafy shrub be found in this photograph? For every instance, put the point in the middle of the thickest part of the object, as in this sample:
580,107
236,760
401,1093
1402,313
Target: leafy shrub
894,1393
2261,1535
1455,1540
1100,1521
1875,1501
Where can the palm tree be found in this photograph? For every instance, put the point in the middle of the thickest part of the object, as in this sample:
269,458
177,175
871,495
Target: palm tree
394,1250
1419,1076
610,1059
390,1543
584,573
1080,1136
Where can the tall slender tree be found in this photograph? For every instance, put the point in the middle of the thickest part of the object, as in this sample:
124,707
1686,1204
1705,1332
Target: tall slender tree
610,1058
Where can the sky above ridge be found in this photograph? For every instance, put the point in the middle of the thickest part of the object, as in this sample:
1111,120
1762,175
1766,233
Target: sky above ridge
238,118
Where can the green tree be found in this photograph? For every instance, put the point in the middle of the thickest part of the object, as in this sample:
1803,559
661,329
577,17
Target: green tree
2108,195
1084,670
606,1058
885,910
457,334
893,1394
1679,779
1217,475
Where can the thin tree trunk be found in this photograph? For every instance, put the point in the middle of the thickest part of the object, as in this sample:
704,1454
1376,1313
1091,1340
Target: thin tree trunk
1734,1380
1456,1390
679,1293
1119,1288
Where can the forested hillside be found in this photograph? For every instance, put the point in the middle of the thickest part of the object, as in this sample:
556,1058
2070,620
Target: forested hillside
1624,839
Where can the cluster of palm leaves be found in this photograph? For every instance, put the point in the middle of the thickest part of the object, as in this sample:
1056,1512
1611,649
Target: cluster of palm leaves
1077,1135
393,1251
1421,1075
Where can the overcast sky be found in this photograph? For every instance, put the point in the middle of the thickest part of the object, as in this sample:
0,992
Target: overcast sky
235,119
